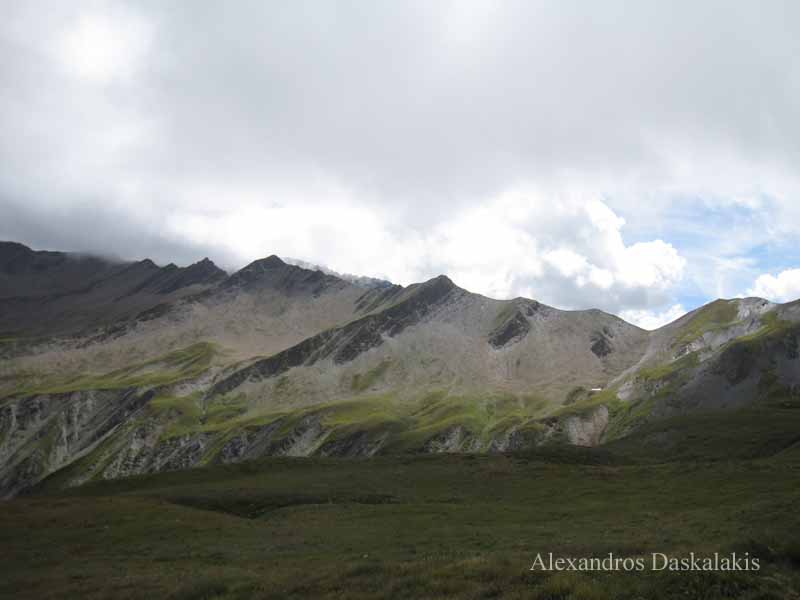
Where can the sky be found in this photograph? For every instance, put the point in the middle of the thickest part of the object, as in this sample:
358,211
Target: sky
641,158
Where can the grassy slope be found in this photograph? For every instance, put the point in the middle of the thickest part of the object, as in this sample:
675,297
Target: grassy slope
172,367
713,316
405,527
763,430
408,422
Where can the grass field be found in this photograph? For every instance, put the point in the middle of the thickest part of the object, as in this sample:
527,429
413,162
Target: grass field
414,526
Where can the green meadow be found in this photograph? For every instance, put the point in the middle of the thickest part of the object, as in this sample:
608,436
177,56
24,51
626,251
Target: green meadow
428,526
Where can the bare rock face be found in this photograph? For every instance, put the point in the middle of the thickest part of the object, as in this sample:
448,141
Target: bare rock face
251,442
515,322
453,439
40,434
601,342
514,329
587,430
357,444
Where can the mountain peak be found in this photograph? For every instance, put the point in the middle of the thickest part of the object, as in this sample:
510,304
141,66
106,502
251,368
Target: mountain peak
273,272
13,251
205,265
261,264
440,282
14,246
273,260
439,279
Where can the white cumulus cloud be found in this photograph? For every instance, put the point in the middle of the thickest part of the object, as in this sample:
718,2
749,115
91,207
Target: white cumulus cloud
650,319
779,288
566,252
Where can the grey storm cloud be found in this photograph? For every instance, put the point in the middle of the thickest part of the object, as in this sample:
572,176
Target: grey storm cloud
119,117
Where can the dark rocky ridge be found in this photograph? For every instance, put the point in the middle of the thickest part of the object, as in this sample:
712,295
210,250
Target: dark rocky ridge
273,273
172,278
59,293
29,273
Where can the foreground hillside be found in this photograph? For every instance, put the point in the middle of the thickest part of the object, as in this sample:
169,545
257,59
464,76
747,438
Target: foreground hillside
446,526
116,369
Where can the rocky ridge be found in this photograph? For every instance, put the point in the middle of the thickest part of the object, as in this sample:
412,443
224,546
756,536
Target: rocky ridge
161,368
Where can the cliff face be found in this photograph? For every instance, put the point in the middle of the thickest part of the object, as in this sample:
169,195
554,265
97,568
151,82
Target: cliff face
42,433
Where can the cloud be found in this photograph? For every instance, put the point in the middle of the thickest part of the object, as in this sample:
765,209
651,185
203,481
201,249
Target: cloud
563,251
783,287
102,47
654,150
566,252
650,320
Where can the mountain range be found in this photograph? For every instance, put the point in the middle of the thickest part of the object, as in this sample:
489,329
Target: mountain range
111,368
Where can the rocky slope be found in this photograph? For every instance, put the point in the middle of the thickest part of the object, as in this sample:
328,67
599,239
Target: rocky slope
113,369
